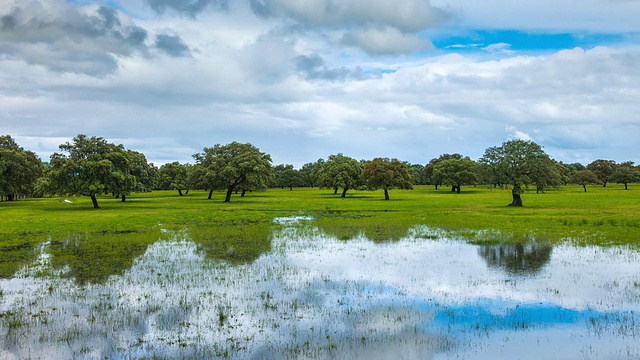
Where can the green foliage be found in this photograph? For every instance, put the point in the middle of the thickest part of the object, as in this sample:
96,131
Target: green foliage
234,165
290,178
383,173
428,170
90,166
625,173
174,176
19,169
457,172
603,169
584,178
518,163
340,171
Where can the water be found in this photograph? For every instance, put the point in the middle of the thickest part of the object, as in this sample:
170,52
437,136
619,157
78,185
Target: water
316,297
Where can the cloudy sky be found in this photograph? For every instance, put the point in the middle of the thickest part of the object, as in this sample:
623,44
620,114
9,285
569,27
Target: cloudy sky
303,79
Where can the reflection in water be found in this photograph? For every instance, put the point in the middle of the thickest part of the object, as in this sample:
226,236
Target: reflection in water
517,258
312,296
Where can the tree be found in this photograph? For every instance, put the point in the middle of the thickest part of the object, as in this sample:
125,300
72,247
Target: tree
625,173
234,165
290,178
457,172
417,170
517,162
429,176
19,169
174,176
309,172
603,169
584,177
382,173
340,171
277,170
88,166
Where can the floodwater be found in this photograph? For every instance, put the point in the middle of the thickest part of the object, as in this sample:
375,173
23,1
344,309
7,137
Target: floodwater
315,297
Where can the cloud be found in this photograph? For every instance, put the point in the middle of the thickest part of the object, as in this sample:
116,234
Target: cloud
407,16
188,7
386,41
67,38
312,67
172,45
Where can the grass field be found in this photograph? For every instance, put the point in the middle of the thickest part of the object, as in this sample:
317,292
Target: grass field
239,231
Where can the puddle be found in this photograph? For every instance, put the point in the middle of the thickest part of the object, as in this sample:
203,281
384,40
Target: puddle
313,296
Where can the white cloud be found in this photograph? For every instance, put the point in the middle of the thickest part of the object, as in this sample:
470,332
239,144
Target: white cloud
386,41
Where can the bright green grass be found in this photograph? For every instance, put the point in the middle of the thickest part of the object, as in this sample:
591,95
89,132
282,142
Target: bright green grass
239,231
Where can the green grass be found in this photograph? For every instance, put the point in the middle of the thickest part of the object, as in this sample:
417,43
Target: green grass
239,231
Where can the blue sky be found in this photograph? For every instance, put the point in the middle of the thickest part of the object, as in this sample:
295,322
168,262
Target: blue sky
408,79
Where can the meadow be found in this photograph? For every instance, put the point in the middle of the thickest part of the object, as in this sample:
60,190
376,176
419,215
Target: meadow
238,231
307,274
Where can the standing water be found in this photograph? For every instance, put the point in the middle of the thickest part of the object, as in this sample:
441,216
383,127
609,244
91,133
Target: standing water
311,296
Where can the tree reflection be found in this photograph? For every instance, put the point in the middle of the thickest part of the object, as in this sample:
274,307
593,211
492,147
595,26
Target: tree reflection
235,243
517,258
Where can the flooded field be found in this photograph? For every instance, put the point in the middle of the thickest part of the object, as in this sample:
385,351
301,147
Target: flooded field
311,296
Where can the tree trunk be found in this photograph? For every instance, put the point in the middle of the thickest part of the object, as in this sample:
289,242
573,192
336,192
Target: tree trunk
11,197
186,192
124,197
585,187
625,186
436,186
386,194
335,190
180,192
228,197
210,193
604,184
458,189
344,191
515,193
94,201
243,192
453,188
290,187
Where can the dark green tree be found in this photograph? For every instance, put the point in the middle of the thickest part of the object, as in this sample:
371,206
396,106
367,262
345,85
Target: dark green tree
383,173
427,172
290,178
417,170
174,176
584,177
625,173
603,169
457,172
518,162
277,170
309,173
340,171
88,167
234,165
19,169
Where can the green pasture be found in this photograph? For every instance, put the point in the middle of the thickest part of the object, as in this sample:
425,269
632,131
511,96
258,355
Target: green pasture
86,241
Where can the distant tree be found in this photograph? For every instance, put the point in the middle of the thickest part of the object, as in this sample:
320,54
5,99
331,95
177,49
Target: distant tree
518,162
603,169
235,165
382,173
277,170
290,178
457,172
87,166
121,182
19,169
625,173
427,172
340,171
174,176
417,170
546,174
584,177
146,174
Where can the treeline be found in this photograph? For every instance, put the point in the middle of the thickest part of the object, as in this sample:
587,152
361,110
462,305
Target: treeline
91,166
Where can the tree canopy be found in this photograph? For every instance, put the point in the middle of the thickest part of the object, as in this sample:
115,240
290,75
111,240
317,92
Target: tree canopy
383,173
625,173
90,166
518,163
340,171
234,165
603,169
19,169
457,172
584,177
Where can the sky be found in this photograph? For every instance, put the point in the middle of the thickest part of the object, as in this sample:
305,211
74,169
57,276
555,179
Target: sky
301,80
